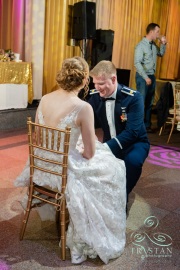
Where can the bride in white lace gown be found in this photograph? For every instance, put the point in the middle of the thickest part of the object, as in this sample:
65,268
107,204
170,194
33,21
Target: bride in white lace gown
96,186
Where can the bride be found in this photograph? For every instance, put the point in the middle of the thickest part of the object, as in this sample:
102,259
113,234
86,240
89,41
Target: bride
96,186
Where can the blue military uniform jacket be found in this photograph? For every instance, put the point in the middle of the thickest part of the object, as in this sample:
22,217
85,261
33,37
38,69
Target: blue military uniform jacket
128,115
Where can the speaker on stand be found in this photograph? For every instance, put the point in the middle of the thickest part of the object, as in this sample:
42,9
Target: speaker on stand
123,76
84,23
102,46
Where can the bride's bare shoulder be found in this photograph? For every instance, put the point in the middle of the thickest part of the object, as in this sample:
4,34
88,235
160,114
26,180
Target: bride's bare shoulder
85,107
48,96
84,104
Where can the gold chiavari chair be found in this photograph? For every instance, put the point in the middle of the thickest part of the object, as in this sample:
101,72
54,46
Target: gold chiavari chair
174,113
55,143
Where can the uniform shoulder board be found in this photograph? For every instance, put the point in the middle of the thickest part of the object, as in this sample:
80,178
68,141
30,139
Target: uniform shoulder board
93,91
128,91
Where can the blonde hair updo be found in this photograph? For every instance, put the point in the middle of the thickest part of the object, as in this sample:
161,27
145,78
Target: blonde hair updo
73,73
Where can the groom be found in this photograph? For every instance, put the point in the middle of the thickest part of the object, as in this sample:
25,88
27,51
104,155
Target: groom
119,111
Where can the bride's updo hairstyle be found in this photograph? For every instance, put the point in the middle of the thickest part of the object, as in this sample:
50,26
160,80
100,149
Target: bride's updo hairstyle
73,74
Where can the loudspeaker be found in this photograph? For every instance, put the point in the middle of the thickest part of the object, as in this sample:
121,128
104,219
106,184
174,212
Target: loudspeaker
102,46
84,20
123,76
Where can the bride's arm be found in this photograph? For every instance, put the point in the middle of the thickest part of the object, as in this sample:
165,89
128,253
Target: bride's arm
37,121
86,121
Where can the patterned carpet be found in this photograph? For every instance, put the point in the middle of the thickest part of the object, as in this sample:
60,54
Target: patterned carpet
153,221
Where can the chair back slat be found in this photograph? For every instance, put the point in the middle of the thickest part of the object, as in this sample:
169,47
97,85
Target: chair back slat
43,140
58,140
46,138
35,138
41,136
52,139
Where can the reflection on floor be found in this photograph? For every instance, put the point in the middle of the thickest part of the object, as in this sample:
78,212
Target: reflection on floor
153,222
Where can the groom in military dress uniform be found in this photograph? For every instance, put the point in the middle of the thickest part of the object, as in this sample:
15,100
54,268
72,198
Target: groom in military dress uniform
119,111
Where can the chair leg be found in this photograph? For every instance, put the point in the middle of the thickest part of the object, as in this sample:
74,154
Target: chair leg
171,132
58,224
63,230
26,215
161,129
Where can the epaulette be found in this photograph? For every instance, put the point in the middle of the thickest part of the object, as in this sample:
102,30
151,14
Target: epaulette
93,91
128,91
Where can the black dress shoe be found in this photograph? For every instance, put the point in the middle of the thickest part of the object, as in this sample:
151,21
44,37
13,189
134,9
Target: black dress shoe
149,130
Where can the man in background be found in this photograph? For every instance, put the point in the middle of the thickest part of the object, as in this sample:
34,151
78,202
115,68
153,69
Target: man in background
146,53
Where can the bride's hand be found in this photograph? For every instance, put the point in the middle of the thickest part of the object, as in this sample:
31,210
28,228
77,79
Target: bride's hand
87,154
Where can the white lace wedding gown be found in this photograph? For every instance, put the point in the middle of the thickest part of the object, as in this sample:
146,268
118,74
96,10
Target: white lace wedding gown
95,194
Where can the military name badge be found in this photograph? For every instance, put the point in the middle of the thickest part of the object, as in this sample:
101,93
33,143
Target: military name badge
123,117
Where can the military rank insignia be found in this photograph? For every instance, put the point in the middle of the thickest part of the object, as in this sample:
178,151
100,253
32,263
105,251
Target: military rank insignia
123,117
93,91
128,91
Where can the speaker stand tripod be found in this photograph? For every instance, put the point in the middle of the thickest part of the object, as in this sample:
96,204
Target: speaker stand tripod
84,49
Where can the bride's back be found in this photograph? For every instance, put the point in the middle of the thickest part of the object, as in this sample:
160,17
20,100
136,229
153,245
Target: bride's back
72,77
57,105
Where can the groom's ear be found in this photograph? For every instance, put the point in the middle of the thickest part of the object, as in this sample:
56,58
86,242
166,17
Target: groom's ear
113,78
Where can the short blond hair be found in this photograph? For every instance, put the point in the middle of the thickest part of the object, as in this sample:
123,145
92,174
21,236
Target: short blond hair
103,69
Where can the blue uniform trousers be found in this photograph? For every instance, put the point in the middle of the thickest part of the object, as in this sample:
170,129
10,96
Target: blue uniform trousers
134,157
